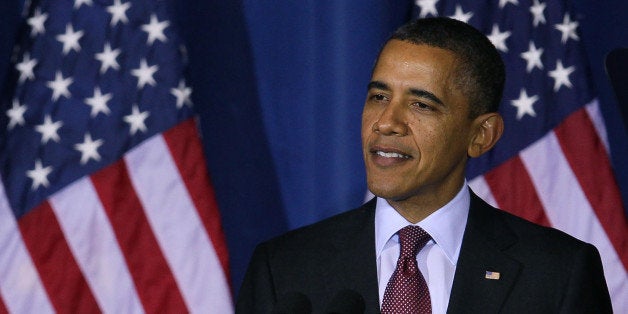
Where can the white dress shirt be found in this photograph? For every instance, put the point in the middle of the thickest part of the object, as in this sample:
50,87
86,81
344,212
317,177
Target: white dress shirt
437,260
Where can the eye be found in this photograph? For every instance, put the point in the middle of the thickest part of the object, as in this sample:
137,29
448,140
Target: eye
423,106
378,97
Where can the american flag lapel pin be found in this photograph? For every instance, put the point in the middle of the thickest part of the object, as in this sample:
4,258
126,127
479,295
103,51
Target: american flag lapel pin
492,275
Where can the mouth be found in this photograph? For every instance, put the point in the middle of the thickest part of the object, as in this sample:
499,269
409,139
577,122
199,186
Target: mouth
386,154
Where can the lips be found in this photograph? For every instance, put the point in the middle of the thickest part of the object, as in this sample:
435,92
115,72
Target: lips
391,154
386,156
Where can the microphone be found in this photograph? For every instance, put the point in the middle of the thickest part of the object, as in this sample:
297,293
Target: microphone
346,302
293,303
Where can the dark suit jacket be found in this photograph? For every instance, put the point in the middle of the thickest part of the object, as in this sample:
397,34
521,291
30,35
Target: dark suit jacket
542,270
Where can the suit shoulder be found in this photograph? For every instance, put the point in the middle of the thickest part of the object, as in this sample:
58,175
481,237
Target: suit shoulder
532,235
327,231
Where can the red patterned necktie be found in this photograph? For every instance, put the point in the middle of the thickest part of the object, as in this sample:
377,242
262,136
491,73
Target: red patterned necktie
407,291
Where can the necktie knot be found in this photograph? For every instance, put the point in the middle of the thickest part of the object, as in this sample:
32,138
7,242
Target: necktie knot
411,240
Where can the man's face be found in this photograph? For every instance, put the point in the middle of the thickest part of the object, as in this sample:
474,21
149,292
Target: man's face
416,128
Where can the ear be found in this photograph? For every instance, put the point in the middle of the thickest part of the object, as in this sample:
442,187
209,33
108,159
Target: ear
487,129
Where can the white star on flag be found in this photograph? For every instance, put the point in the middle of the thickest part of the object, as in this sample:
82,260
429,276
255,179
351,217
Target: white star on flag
118,12
60,86
39,175
144,74
26,68
460,15
568,29
155,29
89,149
108,58
537,13
182,93
98,102
498,38
16,114
78,3
524,104
37,22
70,39
427,7
503,3
561,75
136,120
533,57
49,130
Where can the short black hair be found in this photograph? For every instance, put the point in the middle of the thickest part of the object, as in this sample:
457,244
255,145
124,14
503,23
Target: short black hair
481,72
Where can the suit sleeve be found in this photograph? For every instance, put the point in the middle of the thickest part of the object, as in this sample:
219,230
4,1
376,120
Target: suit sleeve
257,292
587,291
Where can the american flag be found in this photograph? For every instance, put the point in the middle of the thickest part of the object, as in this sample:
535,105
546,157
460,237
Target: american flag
552,165
105,201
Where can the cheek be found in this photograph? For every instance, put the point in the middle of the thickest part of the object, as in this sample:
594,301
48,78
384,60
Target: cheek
436,142
455,143
365,133
368,117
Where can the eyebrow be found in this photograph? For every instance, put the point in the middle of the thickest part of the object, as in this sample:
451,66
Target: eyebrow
414,91
378,85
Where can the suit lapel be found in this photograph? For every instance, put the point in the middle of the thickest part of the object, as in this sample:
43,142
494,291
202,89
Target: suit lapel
485,239
355,265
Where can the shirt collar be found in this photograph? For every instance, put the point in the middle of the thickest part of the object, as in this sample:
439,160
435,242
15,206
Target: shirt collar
446,225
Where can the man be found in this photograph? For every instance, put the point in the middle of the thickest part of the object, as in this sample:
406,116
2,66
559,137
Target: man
431,104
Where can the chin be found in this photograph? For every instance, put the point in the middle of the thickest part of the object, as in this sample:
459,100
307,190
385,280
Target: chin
385,191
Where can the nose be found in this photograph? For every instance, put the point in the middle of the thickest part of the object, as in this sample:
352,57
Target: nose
391,121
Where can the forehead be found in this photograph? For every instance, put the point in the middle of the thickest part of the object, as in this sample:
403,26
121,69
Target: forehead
404,66
403,57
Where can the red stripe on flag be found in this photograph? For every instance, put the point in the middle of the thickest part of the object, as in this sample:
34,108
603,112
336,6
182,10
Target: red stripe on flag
151,274
587,156
3,308
61,276
514,191
190,160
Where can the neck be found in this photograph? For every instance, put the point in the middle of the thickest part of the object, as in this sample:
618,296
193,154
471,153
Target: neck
415,209
411,213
